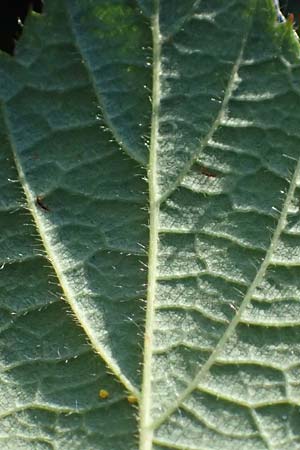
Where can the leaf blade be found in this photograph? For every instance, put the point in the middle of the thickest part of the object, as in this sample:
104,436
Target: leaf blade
213,227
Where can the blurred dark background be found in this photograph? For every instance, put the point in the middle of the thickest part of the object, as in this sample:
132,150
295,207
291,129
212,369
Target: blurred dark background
290,7
291,10
12,17
13,14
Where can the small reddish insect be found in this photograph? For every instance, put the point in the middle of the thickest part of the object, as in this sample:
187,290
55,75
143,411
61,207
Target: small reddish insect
291,18
41,204
207,172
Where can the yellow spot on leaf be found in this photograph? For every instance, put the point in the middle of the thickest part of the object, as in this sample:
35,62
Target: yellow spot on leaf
103,393
131,399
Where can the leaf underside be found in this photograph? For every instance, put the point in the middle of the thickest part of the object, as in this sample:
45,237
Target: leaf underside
150,228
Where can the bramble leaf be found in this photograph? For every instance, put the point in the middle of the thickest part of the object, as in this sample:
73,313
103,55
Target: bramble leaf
150,228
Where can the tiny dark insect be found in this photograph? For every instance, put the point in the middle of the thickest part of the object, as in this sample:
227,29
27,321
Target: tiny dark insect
207,172
41,204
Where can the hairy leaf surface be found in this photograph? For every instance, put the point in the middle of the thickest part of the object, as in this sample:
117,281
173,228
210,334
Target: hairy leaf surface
150,228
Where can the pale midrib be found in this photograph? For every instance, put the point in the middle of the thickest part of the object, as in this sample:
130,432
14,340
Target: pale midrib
245,303
69,294
215,125
146,432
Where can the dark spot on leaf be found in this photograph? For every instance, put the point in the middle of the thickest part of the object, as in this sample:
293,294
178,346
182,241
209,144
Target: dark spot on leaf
40,203
207,172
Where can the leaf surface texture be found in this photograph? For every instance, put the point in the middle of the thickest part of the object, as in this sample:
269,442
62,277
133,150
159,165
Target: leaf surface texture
149,217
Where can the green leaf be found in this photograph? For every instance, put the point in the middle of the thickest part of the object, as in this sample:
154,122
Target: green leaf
149,211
